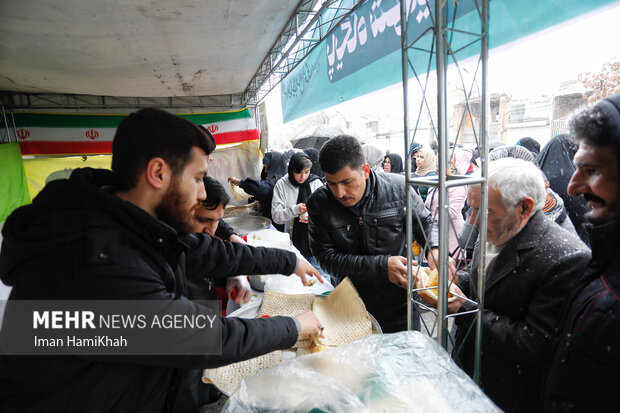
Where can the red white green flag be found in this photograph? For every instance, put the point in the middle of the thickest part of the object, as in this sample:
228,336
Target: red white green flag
77,134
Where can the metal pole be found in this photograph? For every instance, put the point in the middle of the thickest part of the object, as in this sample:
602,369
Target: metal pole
442,126
6,124
484,111
409,189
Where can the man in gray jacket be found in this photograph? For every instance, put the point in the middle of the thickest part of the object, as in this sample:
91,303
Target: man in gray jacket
357,230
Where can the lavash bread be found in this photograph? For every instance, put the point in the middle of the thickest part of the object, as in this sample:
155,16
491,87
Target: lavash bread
425,277
227,378
342,314
238,193
290,305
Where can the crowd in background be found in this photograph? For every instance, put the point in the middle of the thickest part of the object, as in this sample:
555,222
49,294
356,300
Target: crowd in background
554,160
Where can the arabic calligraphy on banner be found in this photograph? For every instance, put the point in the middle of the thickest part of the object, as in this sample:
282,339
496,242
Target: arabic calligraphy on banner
373,31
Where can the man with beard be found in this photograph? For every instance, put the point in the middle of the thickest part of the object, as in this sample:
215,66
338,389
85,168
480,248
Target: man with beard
584,362
118,235
531,264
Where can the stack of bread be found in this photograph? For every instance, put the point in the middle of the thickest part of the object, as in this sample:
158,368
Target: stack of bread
342,314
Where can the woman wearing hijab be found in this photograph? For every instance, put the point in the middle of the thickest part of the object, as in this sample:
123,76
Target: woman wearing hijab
393,163
530,144
274,168
556,162
461,160
374,157
313,154
288,205
426,166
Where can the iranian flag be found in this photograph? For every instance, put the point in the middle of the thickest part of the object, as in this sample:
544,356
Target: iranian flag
76,134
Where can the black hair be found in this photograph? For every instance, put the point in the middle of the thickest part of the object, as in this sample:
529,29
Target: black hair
151,133
216,194
339,152
300,163
599,125
209,135
591,124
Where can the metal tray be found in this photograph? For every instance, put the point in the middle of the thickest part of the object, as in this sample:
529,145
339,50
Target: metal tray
248,223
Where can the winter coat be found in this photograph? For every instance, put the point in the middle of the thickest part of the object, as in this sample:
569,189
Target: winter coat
456,201
357,245
423,189
224,231
262,190
525,287
284,207
556,162
79,241
585,359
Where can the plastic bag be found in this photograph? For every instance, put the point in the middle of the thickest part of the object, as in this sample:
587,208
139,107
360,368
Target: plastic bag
405,371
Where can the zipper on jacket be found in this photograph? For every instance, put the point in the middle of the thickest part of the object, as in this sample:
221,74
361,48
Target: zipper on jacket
360,221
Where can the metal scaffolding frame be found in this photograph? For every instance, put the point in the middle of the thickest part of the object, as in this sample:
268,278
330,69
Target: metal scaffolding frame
312,22
442,49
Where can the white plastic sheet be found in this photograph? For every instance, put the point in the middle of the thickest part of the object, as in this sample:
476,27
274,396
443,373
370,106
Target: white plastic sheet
401,372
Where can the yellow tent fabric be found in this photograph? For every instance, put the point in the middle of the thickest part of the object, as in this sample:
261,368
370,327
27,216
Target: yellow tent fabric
40,171
241,160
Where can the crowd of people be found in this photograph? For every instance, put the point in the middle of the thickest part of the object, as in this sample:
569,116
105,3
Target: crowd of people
152,229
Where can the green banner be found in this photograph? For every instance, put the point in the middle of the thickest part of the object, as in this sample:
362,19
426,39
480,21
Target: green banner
363,54
13,186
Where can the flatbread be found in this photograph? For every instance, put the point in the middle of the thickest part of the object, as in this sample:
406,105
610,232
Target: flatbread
290,305
342,314
275,303
227,378
238,193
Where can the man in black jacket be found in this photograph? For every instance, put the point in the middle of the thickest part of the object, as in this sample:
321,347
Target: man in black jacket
357,230
585,360
531,265
208,220
118,235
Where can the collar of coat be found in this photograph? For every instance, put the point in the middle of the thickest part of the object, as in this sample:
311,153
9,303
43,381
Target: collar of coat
605,242
96,185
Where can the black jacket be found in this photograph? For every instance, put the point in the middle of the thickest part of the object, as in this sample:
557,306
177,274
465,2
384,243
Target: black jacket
584,363
525,287
78,241
224,231
358,245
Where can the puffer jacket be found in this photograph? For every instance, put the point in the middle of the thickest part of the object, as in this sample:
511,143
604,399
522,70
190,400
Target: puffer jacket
348,244
583,364
79,241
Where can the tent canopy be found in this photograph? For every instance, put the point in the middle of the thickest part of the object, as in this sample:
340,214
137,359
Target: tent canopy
162,48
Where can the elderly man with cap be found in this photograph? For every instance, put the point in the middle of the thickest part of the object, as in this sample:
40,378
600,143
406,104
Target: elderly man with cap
584,363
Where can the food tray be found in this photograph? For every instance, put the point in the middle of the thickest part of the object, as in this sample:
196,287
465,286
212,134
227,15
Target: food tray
245,224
